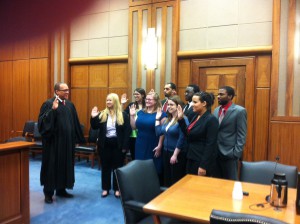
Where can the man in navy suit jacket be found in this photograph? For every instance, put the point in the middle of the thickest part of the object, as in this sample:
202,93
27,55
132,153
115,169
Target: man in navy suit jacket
232,133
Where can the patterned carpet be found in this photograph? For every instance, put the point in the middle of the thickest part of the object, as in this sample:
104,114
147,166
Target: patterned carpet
87,206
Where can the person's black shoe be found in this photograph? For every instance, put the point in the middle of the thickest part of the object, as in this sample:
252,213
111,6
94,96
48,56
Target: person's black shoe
48,199
104,194
117,194
64,194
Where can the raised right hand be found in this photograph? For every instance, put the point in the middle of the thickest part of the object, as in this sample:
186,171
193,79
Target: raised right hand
94,112
179,112
55,104
132,110
124,98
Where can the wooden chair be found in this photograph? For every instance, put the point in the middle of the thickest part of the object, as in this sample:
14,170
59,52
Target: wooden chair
89,150
37,139
27,133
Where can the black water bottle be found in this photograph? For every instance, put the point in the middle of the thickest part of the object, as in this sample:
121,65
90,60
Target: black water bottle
298,195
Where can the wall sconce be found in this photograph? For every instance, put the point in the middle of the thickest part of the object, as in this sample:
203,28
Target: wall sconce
150,50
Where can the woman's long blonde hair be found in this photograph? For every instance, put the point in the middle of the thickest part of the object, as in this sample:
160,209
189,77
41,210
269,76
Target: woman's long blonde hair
116,108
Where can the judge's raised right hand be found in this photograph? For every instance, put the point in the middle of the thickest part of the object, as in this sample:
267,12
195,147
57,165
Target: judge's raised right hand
55,104
94,112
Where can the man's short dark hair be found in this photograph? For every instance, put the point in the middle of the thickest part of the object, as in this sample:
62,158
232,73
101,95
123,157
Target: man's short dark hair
57,86
196,88
172,85
230,91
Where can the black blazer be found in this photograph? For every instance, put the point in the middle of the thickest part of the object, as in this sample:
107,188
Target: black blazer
202,140
123,132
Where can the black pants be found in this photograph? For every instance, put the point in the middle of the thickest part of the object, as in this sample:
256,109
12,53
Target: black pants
173,172
132,147
111,158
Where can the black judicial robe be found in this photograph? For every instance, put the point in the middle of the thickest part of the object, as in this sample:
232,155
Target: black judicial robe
60,130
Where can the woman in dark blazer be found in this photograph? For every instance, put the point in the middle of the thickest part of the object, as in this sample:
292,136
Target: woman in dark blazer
114,131
201,135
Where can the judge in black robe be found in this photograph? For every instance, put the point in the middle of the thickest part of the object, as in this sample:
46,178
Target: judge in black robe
60,129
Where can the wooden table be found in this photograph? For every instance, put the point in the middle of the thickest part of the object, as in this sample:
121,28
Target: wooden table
14,182
194,197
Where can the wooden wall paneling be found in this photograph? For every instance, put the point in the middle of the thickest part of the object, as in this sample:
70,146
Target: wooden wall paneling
249,105
21,50
6,52
80,100
118,75
58,57
275,57
263,79
98,75
10,185
290,61
284,141
97,97
118,91
184,73
184,77
39,47
6,100
20,96
261,125
67,68
51,63
39,86
80,76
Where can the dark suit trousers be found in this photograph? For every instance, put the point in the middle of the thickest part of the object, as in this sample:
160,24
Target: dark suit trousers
111,158
228,168
173,172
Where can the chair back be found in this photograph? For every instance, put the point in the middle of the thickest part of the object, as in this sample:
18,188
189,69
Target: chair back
262,172
28,129
222,217
137,181
93,135
36,133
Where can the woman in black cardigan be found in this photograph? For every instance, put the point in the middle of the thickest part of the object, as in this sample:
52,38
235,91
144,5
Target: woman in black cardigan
114,131
201,135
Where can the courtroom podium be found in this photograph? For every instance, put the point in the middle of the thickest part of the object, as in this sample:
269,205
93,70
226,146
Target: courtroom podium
14,182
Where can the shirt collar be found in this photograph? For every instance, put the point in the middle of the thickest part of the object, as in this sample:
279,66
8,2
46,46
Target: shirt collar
226,106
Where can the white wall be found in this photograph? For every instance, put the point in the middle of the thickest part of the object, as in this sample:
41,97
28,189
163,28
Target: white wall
219,24
204,25
101,31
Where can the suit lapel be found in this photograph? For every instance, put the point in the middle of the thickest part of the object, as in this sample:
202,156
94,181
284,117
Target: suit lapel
227,114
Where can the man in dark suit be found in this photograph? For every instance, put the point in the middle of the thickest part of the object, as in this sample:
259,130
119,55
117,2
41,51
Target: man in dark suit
190,90
232,133
169,90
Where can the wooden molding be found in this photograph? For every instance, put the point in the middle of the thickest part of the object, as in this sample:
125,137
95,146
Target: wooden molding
226,52
275,57
92,60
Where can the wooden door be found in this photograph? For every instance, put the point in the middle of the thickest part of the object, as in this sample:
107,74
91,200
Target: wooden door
211,74
212,78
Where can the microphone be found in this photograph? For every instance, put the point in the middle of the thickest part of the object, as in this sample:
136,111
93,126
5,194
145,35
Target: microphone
277,159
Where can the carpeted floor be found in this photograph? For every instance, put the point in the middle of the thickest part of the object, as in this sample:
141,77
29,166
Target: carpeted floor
87,206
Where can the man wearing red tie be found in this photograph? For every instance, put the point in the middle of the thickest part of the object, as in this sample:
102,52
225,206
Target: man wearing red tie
169,90
232,133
